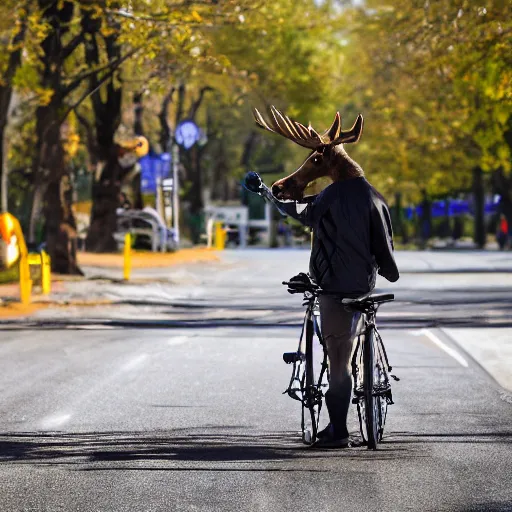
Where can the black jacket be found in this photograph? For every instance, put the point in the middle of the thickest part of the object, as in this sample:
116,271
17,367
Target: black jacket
352,237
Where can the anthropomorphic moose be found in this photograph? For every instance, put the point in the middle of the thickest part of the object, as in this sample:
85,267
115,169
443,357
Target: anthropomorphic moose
352,242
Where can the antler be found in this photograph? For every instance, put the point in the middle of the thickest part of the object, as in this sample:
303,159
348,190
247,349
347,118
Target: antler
281,124
306,136
347,136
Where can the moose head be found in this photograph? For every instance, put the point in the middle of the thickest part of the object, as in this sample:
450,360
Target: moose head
327,158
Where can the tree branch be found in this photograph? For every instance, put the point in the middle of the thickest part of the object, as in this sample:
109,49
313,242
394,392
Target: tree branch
195,106
113,65
73,45
91,140
165,129
98,85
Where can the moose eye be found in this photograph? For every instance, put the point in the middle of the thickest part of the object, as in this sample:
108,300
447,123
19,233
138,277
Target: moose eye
317,159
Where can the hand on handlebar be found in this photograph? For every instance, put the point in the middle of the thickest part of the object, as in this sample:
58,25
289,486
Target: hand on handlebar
301,283
253,183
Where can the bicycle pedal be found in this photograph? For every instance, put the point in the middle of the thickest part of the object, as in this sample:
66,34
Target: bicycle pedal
293,357
394,377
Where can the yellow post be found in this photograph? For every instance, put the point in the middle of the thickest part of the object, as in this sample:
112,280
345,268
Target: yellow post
127,256
25,281
46,273
220,236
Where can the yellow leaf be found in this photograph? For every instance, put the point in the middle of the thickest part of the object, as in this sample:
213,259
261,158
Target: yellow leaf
196,16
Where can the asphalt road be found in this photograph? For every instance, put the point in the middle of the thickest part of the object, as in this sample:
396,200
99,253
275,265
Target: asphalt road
171,401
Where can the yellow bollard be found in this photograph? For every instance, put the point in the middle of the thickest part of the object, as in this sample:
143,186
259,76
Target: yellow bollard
25,281
46,273
220,236
127,256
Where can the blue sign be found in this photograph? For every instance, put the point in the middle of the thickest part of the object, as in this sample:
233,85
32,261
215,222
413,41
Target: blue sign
450,208
187,133
153,167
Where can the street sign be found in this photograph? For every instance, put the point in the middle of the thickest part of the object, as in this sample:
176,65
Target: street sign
187,133
167,184
153,168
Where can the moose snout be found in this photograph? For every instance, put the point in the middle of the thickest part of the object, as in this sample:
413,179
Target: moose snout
277,189
287,189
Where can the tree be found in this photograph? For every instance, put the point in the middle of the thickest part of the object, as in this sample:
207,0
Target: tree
15,38
229,55
435,79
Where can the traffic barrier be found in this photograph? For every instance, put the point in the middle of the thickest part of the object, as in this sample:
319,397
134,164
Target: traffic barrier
127,266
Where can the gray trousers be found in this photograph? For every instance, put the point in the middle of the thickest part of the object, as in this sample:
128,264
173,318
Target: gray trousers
339,328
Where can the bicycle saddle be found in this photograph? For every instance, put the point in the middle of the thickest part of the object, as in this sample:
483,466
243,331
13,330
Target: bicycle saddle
371,299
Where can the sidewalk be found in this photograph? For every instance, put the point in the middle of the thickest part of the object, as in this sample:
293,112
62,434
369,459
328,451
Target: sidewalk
103,281
491,348
458,261
148,259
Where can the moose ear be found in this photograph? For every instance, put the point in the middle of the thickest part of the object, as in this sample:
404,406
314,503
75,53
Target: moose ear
334,131
352,135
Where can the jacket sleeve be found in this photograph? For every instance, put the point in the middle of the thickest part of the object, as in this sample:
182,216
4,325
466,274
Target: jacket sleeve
305,216
382,241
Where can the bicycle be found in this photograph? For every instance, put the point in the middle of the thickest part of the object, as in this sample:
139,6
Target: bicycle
370,366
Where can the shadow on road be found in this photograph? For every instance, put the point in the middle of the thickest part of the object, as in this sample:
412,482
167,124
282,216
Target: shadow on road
453,437
409,321
223,450
487,507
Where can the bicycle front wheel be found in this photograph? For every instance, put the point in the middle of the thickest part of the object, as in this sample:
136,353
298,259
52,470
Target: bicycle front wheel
312,394
372,407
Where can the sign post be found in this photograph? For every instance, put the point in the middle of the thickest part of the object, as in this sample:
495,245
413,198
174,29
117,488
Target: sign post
175,197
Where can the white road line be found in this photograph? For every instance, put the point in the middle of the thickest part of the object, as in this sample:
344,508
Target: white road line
177,340
130,365
55,421
434,339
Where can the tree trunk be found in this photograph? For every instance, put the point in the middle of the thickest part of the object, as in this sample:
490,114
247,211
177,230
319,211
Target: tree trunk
61,236
425,220
4,207
165,129
53,171
479,235
503,183
398,221
105,201
13,64
138,110
106,186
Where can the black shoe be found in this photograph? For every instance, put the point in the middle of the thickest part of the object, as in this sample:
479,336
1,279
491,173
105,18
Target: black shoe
325,432
330,441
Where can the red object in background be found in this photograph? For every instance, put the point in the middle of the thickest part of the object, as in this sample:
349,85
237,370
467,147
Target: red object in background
504,225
